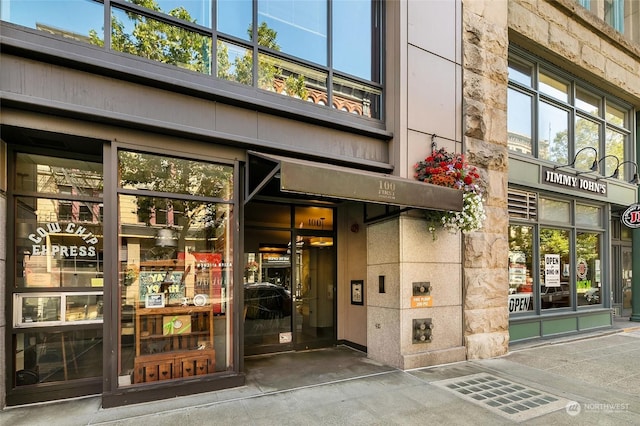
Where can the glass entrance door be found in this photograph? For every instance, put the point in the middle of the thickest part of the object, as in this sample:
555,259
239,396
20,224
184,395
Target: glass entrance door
289,278
315,292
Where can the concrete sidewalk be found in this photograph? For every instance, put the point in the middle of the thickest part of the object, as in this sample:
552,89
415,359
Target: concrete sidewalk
588,379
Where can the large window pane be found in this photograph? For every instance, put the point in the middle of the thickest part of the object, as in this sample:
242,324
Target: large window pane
356,98
588,268
54,250
352,37
588,215
521,273
175,270
553,86
174,281
299,27
291,79
519,121
588,102
196,11
57,356
587,134
51,175
80,20
174,175
554,210
553,137
234,17
149,38
555,269
614,145
520,72
616,115
234,63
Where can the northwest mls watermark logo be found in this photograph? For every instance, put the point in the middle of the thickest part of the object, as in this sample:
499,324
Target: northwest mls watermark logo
574,408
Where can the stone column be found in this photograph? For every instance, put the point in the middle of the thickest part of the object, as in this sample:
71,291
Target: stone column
403,251
485,281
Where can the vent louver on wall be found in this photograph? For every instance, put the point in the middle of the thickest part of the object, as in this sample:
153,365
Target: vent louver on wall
523,205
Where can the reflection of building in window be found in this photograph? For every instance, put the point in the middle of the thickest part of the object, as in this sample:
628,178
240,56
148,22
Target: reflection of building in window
519,143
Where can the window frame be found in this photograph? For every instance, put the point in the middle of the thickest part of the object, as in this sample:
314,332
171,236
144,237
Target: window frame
534,221
521,57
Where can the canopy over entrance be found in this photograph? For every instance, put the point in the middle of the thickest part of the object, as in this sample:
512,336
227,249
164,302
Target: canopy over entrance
328,181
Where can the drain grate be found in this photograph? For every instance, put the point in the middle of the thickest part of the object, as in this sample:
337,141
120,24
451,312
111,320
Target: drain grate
508,399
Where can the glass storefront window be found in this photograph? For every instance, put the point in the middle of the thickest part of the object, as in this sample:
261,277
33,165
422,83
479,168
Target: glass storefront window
521,273
554,210
55,247
59,269
53,17
588,215
55,356
555,269
175,270
588,268
173,175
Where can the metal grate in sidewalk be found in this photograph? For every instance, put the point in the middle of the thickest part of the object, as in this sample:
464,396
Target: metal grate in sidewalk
511,400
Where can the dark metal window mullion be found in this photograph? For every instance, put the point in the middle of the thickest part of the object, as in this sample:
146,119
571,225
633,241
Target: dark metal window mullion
214,39
107,24
254,43
330,54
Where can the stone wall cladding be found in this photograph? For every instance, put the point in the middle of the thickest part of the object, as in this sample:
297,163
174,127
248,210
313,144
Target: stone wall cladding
485,52
569,34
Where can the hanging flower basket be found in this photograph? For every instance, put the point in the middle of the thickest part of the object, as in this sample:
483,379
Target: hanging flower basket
451,170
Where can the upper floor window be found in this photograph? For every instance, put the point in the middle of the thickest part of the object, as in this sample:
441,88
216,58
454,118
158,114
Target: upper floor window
326,52
558,118
614,14
621,15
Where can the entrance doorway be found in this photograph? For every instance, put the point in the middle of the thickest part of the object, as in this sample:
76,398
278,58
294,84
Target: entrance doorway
289,277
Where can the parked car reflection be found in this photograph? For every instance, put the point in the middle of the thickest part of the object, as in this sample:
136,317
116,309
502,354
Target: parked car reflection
266,301
555,297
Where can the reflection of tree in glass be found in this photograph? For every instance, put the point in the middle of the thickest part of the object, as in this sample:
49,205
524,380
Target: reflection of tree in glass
160,41
268,70
587,246
587,134
554,241
177,176
521,239
171,44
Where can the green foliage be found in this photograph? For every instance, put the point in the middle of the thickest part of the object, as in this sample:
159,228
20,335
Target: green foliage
176,176
171,44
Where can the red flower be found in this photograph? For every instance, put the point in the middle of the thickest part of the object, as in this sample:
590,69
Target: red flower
468,180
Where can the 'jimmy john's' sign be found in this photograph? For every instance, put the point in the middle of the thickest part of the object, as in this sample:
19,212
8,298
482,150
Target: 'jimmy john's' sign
567,180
